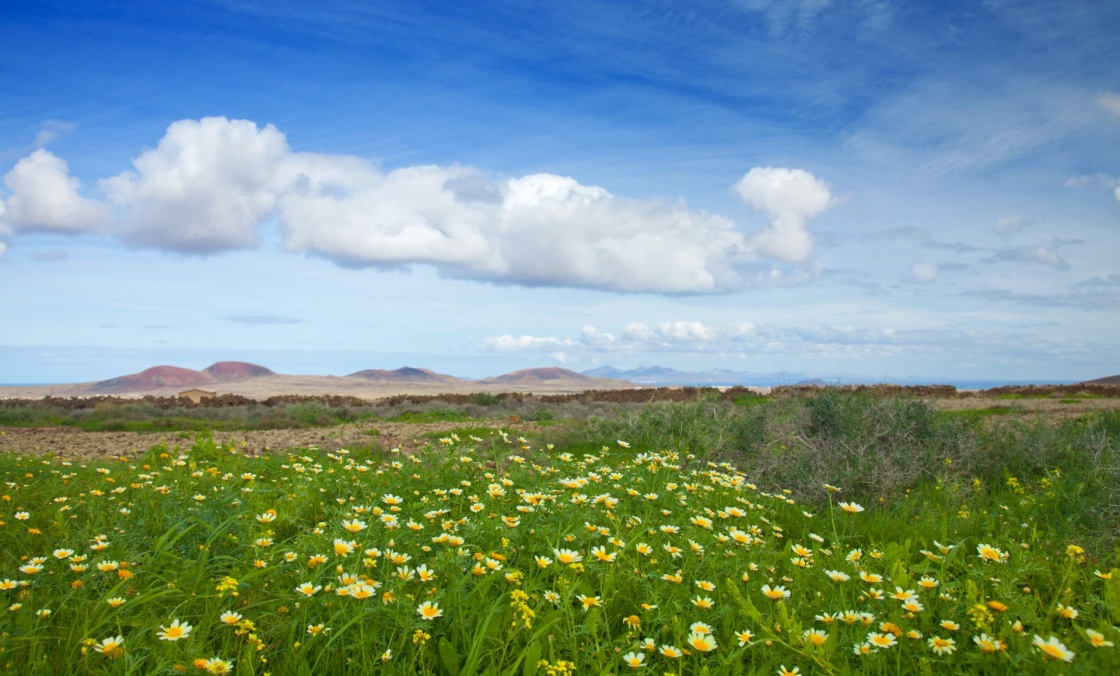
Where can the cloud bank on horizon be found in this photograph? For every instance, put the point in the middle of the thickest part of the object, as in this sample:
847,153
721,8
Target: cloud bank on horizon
210,185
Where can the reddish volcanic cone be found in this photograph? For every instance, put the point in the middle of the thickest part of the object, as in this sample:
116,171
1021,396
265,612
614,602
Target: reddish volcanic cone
225,371
155,378
405,374
552,374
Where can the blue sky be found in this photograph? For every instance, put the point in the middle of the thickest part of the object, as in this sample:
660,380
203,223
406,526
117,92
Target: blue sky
837,187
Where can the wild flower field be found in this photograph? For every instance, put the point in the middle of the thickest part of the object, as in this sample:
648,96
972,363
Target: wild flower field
512,557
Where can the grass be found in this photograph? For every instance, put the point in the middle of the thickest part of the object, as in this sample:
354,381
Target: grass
1001,533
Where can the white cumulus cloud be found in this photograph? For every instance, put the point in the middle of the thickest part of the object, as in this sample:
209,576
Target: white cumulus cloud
789,197
209,186
45,197
508,343
203,189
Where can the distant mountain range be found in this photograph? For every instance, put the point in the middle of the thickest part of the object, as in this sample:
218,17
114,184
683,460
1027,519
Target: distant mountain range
175,378
258,381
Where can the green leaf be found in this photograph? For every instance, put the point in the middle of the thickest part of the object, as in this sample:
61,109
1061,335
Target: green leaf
532,656
1112,594
449,656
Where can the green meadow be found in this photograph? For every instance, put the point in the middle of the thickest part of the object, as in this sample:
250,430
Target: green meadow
829,534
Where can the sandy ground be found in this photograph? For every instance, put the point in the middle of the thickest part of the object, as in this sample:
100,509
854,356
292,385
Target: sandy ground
69,442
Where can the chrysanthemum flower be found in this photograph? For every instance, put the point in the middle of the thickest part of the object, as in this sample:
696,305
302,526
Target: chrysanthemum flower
1067,612
175,631
775,593
782,671
669,651
881,640
744,637
987,644
1097,639
913,606
601,554
990,553
354,525
230,617
837,576
112,647
700,628
942,646
62,553
217,666
429,610
309,589
634,660
704,603
1052,648
567,556
590,602
851,507
949,625
702,642
814,637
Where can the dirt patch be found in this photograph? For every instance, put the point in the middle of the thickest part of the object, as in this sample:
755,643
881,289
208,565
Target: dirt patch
68,442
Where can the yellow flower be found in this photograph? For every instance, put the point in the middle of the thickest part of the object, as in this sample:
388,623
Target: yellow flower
942,646
633,659
881,640
1052,648
316,629
429,610
175,631
590,602
672,652
216,665
704,603
355,525
775,593
813,637
987,644
111,647
782,671
566,556
633,621
990,553
308,589
230,617
851,507
702,642
1097,639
